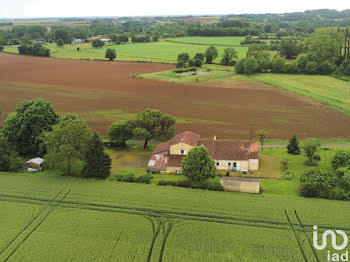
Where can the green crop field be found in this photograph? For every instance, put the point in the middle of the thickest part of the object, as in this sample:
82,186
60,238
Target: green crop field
53,218
325,89
165,52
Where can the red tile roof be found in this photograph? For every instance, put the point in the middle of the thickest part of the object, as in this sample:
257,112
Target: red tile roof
226,150
161,148
174,160
187,137
218,150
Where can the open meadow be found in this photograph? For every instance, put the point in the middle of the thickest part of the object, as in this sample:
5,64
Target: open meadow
54,218
103,92
164,52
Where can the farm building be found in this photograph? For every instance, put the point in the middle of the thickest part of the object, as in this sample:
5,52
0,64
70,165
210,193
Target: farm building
239,184
236,156
34,164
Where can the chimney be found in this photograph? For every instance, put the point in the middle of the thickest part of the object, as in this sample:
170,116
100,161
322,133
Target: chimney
214,138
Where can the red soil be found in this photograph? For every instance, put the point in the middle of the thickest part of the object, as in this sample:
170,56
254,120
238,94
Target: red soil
223,108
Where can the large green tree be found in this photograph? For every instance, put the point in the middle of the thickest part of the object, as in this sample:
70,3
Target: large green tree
24,127
210,54
97,43
293,146
229,56
250,65
197,164
262,136
9,159
310,147
325,45
316,183
111,54
97,162
120,132
66,143
151,124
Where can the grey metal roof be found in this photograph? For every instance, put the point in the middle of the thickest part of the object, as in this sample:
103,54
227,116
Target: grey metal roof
36,160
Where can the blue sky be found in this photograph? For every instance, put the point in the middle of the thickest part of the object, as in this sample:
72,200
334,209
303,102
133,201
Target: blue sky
69,8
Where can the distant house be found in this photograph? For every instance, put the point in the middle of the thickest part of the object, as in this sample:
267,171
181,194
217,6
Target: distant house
34,164
239,184
77,41
36,42
236,156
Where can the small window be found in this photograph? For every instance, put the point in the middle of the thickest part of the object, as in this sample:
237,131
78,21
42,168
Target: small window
217,163
182,152
229,163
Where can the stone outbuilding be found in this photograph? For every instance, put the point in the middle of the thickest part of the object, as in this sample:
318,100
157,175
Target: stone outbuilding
240,184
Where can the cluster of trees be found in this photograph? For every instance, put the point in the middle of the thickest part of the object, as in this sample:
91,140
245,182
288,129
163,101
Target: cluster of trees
326,51
184,60
229,58
333,184
146,125
97,43
123,38
35,129
35,50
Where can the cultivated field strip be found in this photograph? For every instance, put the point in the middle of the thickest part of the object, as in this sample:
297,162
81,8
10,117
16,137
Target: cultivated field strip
191,216
32,225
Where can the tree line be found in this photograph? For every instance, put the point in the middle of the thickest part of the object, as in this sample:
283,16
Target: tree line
326,51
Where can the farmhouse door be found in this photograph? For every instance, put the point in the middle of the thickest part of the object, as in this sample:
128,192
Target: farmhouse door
234,167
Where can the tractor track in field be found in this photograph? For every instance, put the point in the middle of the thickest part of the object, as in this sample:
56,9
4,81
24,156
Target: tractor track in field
221,219
50,203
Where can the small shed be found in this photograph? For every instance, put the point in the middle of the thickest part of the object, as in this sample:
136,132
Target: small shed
34,164
240,184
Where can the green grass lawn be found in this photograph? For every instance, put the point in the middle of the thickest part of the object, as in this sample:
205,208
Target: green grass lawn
165,52
134,159
53,218
206,73
325,89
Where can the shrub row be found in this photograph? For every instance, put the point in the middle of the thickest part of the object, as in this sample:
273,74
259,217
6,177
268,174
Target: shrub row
144,179
205,185
183,70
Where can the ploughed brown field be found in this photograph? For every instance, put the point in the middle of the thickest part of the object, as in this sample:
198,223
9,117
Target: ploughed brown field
103,92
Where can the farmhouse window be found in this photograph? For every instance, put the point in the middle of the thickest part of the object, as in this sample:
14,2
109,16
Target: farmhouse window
182,152
217,163
229,163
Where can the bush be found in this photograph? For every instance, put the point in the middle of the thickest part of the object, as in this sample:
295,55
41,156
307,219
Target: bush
144,179
198,62
239,68
315,183
341,159
287,176
1,48
317,157
204,185
129,178
119,177
310,163
326,68
250,65
311,68
183,70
